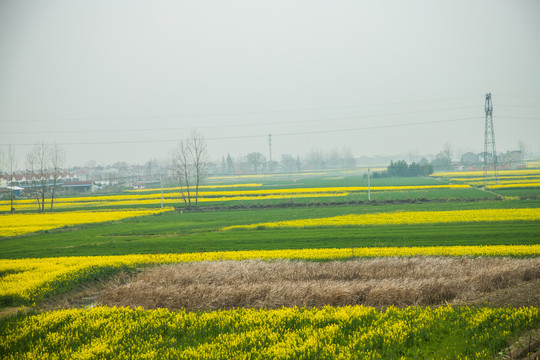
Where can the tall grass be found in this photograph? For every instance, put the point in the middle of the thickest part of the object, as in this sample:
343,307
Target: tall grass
375,282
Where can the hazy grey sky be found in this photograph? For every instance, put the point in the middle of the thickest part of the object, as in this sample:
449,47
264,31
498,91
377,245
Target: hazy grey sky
128,78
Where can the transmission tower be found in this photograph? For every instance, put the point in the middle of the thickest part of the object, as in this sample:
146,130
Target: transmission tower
490,153
270,146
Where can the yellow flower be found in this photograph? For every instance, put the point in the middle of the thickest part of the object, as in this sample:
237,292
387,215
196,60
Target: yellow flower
17,224
410,217
481,173
287,333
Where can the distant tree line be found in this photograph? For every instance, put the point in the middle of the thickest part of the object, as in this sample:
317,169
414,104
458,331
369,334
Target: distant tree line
402,169
333,159
257,163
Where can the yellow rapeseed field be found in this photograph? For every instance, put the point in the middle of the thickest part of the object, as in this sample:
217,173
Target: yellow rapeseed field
515,186
480,173
262,192
517,179
30,279
141,198
200,187
18,224
31,205
504,181
405,217
352,332
176,197
533,163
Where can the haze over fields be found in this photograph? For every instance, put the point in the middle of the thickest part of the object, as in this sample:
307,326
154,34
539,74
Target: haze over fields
125,80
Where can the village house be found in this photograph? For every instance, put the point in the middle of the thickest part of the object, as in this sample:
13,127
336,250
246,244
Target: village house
470,159
79,186
511,158
508,160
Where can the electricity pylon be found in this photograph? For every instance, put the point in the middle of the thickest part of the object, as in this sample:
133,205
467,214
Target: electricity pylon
490,152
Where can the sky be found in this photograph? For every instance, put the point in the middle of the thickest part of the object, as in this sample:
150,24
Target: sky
126,80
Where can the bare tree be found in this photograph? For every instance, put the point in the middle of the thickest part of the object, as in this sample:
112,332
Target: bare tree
182,169
333,159
57,156
200,160
447,150
11,166
288,163
316,159
151,167
256,162
32,174
348,158
41,151
38,161
230,164
190,164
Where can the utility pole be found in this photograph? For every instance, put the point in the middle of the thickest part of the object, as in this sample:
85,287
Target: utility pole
368,185
270,146
490,152
161,184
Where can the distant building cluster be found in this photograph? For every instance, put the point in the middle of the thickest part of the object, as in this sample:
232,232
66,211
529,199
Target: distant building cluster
508,160
87,179
66,181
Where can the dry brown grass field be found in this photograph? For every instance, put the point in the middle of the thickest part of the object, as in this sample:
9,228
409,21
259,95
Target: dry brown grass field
376,282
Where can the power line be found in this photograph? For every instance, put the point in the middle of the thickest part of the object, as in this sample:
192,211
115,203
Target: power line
520,106
518,96
71,119
380,126
517,117
239,125
265,135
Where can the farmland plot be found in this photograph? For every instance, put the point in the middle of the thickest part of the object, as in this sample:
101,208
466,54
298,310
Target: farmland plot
301,292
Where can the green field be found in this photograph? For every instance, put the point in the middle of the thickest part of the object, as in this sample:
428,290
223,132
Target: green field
199,230
276,184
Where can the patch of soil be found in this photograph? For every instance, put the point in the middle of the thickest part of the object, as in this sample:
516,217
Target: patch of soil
525,347
8,311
